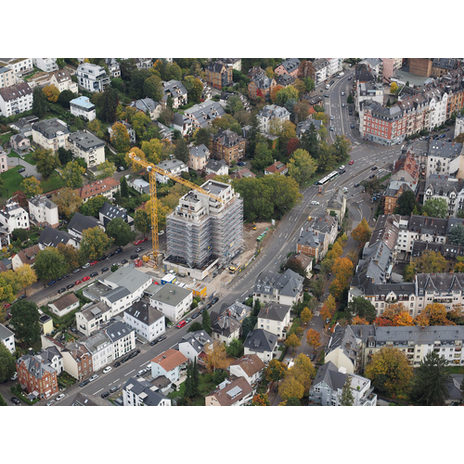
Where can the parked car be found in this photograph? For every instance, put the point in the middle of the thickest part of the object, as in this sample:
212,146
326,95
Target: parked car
124,261
154,342
107,369
194,316
84,383
105,394
71,285
60,397
103,258
188,320
94,377
134,256
113,389
214,300
116,364
181,324
76,270
52,282
15,400
351,162
241,163
138,249
62,290
21,169
77,282
163,337
138,242
92,263
94,274
49,403
105,269
315,202
85,279
118,250
356,185
86,265
373,168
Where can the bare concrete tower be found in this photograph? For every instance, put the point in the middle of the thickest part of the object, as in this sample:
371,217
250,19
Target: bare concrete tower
202,230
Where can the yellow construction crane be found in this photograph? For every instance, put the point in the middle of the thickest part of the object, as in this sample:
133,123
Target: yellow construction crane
152,170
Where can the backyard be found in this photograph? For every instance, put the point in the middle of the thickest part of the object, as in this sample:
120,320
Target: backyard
11,181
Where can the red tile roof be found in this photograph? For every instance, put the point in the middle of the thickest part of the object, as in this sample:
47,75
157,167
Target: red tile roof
97,188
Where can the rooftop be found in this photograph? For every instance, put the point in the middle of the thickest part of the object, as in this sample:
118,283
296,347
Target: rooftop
171,294
170,359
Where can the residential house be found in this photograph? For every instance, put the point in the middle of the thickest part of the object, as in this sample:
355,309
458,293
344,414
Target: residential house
108,212
261,343
148,322
37,376
344,349
7,338
114,69
15,99
79,223
24,125
52,356
83,107
270,116
20,66
12,217
203,114
50,134
337,205
327,387
242,173
148,106
92,77
260,85
26,256
173,166
274,318
7,77
130,131
50,237
45,64
458,126
19,143
228,146
316,235
45,323
198,157
173,301
443,187
319,70
139,392
106,187
305,263
304,126
217,167
182,123
87,146
62,81
139,185
194,345
168,364
272,287
43,211
225,327
368,91
92,317
289,66
100,347
236,392
218,75
177,92
250,367
122,337
276,168
445,158
64,305
285,80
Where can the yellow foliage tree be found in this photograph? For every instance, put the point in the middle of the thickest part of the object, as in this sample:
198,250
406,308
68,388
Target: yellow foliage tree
306,315
51,92
362,232
292,341
216,356
313,338
291,388
25,276
436,314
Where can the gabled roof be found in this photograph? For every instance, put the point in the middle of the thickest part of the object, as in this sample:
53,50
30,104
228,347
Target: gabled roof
198,340
288,284
27,256
5,332
98,187
230,392
250,363
144,312
117,330
260,341
274,312
200,151
128,277
144,391
65,301
79,222
52,237
170,359
15,91
113,211
329,374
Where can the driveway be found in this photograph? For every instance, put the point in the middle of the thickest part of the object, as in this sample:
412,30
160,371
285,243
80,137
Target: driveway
31,170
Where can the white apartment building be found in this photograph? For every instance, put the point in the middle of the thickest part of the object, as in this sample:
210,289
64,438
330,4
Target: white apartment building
45,64
87,146
169,363
15,99
148,322
139,392
195,343
3,161
101,348
43,211
269,113
334,66
7,77
92,77
458,127
122,337
445,158
7,338
50,134
173,301
83,107
173,166
437,106
274,318
62,81
92,317
12,217
20,66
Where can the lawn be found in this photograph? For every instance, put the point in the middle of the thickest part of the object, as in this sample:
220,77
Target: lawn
29,157
13,154
11,181
455,369
5,137
52,183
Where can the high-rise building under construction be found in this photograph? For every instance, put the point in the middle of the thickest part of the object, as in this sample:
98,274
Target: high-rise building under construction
202,229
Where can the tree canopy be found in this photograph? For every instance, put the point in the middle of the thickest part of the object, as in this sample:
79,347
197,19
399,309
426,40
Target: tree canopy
25,320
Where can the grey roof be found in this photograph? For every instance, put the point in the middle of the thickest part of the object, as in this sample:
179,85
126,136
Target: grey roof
113,211
35,365
428,225
345,339
128,277
262,81
15,91
304,126
171,294
227,138
442,185
174,88
444,149
171,164
197,339
116,294
224,324
5,332
440,282
237,310
260,341
285,79
145,104
52,237
274,312
85,140
95,310
79,222
199,151
144,313
288,284
50,128
42,201
117,330
96,342
142,389
420,335
215,165
329,374
379,111
336,201
49,353
205,112
274,111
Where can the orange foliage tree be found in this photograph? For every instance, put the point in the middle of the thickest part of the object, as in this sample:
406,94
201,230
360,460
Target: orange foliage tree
313,338
328,307
359,321
362,232
436,313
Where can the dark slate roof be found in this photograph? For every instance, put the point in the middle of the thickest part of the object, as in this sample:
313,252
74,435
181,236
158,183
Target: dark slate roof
224,324
139,386
116,294
420,335
304,126
197,339
329,374
15,91
85,140
113,211
260,340
285,79
144,312
49,128
288,284
274,312
345,339
444,149
228,138
215,165
291,64
440,282
79,222
428,225
52,237
118,330
199,151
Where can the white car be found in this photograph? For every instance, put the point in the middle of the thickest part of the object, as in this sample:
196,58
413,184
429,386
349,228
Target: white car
107,369
85,266
60,397
315,202
94,377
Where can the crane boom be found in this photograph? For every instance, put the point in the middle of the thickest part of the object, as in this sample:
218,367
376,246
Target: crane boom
152,170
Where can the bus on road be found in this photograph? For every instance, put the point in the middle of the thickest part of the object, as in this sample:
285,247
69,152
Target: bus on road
328,177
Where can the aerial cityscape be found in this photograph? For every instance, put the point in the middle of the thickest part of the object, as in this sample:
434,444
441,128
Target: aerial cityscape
231,232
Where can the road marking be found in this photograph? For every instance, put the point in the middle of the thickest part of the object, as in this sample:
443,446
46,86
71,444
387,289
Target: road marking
130,372
115,381
98,391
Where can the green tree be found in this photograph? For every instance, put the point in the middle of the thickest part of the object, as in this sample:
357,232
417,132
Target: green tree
194,327
65,97
430,381
194,88
406,203
109,102
106,169
96,127
142,221
286,94
25,320
40,103
93,206
235,348
50,264
430,262
2,401
124,191
46,161
436,207
203,136
263,156
456,235
7,363
68,201
120,231
362,308
301,166
94,243
206,322
65,156
181,151
72,174
347,395
153,88
31,186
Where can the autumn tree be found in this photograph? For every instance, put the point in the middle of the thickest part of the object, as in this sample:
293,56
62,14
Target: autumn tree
347,398
51,92
96,127
31,186
389,371
46,161
328,307
285,95
436,314
362,232
303,371
120,138
291,388
292,341
275,371
394,88
343,269
94,243
359,321
260,399
313,338
25,276
421,320
50,264
306,315
25,320
216,356
70,254
301,166
72,174
430,262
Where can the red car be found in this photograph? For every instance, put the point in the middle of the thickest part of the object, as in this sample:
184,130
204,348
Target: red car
6,305
85,279
77,282
181,324
138,242
351,162
92,263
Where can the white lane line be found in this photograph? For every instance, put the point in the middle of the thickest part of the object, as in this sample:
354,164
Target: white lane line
130,371
115,381
98,391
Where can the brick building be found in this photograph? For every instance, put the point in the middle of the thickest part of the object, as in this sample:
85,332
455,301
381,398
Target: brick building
37,376
218,75
229,146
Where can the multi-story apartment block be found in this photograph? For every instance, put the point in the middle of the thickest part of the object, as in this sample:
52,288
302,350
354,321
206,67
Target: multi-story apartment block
45,64
139,392
272,114
7,77
229,146
100,347
172,300
260,84
316,235
368,91
20,66
445,158
12,217
289,66
274,318
444,187
218,75
87,146
37,375
43,211
122,336
15,99
459,126
203,114
83,107
147,321
50,134
202,230
176,91
92,77
106,187
7,338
